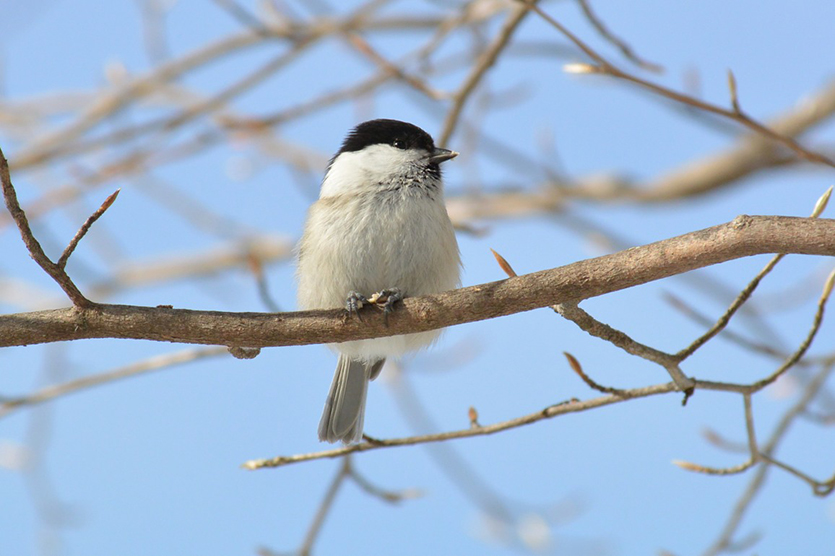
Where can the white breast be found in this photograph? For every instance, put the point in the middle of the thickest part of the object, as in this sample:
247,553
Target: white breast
385,238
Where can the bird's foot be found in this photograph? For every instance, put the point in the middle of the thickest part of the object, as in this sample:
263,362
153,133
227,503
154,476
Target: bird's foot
354,303
386,299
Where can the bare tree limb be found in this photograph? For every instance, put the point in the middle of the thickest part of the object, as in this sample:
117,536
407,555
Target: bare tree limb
744,236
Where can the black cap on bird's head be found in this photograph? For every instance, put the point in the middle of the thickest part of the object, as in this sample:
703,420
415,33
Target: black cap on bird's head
401,135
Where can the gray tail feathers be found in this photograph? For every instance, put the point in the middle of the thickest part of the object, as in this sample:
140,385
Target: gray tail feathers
345,407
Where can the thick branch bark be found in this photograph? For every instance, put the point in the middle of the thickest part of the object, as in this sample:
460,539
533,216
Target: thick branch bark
744,236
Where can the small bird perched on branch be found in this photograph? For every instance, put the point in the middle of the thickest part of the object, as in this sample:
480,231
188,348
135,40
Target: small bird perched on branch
379,232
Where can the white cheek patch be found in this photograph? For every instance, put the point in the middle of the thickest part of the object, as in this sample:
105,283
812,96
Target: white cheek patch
344,172
355,172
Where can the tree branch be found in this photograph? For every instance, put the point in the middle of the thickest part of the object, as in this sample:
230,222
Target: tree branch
571,406
744,236
485,61
604,67
56,271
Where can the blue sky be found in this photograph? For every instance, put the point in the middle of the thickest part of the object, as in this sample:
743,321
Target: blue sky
151,465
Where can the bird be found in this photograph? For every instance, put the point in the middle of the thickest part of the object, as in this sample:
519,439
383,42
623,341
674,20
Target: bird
378,232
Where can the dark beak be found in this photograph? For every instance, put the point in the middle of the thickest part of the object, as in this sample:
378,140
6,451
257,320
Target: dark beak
441,155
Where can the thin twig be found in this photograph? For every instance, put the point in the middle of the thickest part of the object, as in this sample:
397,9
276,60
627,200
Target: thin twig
620,44
365,48
65,256
699,177
604,67
155,363
745,294
485,62
368,487
753,450
243,16
547,413
733,90
733,470
63,142
723,321
577,368
460,473
804,346
325,506
35,250
713,437
70,139
819,488
743,504
702,319
753,447
586,322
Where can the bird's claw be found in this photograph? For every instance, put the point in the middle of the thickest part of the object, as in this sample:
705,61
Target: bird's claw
389,297
384,299
354,303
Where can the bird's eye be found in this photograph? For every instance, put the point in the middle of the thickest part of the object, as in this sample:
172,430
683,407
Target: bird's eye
399,144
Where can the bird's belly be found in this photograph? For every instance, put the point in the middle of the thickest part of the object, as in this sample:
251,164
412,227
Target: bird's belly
389,247
367,250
